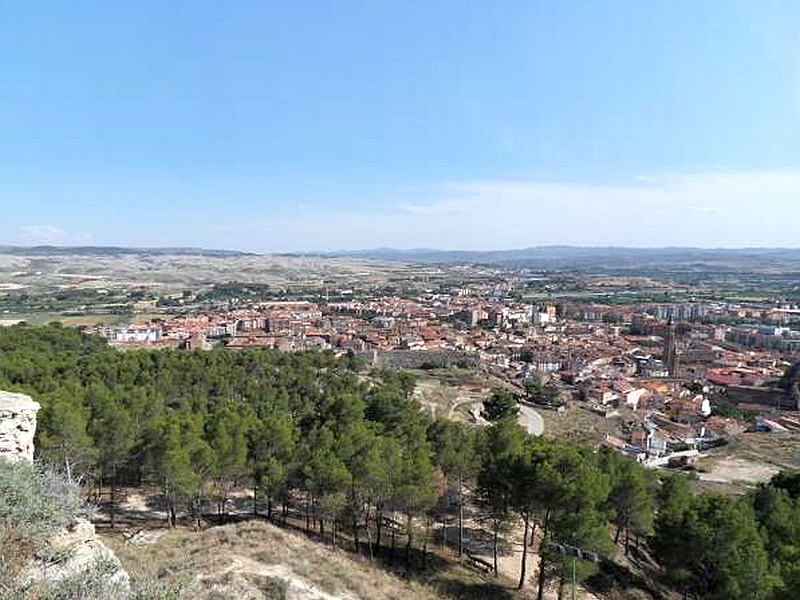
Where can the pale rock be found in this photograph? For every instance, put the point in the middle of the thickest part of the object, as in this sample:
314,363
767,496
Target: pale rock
72,550
17,425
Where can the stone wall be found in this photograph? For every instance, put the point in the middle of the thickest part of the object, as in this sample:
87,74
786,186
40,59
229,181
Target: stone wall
761,398
17,425
427,359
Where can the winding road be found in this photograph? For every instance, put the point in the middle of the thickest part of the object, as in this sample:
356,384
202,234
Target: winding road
531,420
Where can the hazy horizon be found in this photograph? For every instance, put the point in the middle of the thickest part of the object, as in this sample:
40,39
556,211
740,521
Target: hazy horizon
4,248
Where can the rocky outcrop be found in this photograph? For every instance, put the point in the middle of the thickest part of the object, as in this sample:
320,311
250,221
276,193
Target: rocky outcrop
17,425
74,553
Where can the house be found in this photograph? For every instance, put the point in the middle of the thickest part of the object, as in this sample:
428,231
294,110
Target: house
138,335
633,397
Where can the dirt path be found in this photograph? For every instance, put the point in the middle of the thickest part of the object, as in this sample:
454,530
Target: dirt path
531,420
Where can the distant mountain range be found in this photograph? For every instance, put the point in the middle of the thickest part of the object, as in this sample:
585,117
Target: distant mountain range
575,257
786,260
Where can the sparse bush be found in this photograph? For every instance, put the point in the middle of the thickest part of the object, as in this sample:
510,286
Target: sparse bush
34,503
219,594
149,589
100,580
275,589
34,500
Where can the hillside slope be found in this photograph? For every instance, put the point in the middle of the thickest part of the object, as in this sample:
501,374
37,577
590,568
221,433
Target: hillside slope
255,560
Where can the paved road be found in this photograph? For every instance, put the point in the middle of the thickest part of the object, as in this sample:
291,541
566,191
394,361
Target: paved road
531,420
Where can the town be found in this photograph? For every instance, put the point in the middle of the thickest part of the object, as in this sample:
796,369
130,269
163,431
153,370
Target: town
659,354
678,377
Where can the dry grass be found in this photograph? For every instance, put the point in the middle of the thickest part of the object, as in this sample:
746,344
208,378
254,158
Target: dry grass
579,424
781,450
256,560
244,560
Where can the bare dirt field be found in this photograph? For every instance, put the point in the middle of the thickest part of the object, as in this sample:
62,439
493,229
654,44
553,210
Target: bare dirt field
747,460
450,401
175,271
779,449
737,470
579,424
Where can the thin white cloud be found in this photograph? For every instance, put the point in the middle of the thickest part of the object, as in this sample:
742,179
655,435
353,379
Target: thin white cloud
706,209
713,209
443,208
43,233
649,179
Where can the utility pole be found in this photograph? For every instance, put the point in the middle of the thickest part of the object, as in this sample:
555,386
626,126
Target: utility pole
575,553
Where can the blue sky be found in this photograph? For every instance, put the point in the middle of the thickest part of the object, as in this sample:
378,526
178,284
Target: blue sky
312,125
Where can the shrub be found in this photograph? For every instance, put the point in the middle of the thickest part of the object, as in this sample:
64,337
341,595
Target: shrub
34,503
100,580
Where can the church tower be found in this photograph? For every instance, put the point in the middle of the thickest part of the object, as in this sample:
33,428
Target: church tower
670,356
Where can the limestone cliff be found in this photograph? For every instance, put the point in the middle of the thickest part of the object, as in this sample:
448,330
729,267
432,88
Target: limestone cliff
17,425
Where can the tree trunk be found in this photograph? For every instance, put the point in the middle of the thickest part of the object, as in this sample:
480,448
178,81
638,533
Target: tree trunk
353,503
460,516
425,543
165,492
542,563
378,527
197,511
562,580
391,559
314,515
356,540
113,501
369,535
308,514
269,507
524,563
255,497
495,536
627,540
408,544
